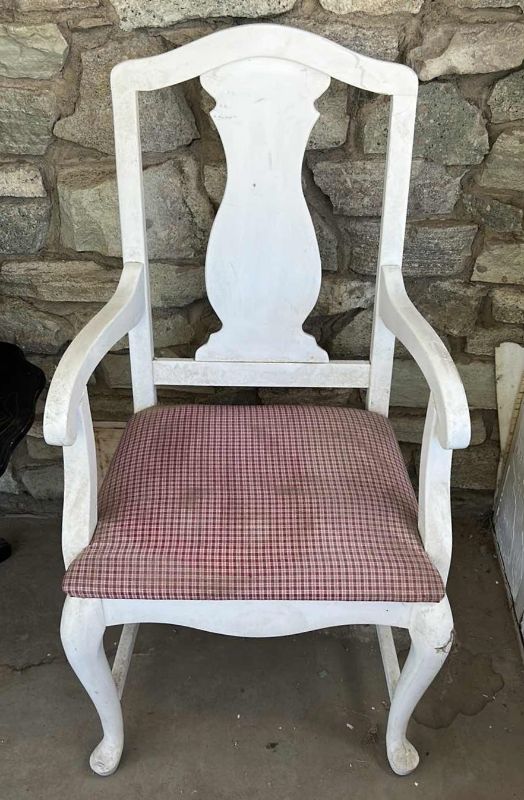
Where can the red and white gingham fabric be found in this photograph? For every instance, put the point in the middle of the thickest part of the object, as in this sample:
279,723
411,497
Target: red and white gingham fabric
256,502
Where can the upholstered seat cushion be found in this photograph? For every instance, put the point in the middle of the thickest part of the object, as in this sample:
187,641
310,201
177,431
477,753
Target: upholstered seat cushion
256,502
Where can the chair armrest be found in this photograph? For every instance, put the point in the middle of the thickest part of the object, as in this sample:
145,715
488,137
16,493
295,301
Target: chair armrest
402,318
114,320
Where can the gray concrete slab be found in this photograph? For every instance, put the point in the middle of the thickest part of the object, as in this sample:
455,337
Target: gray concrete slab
296,718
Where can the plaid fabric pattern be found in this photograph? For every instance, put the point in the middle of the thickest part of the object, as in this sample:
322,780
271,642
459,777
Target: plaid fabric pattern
256,502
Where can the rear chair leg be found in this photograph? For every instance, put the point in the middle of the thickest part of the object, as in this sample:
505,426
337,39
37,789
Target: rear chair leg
82,632
388,652
123,656
431,631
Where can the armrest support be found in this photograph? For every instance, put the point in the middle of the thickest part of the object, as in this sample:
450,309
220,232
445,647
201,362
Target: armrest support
114,320
402,318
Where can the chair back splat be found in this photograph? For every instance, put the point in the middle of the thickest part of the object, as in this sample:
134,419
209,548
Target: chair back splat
263,269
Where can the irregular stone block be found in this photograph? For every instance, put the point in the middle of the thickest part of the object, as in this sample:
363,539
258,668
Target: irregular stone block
33,330
189,32
88,23
89,211
88,282
409,388
178,213
494,214
53,5
23,225
372,6
48,365
377,37
475,467
173,285
355,188
26,119
327,241
166,121
37,429
162,13
507,98
453,48
299,396
479,382
170,325
339,294
31,51
354,339
116,371
428,250
39,450
21,180
448,130
215,181
8,482
450,306
45,482
331,128
500,262
59,281
504,168
410,428
484,3
77,314
483,341
507,305
109,407
170,328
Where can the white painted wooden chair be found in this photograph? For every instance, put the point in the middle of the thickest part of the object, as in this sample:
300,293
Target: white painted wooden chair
294,550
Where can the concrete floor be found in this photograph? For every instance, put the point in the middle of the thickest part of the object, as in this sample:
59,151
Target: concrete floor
215,718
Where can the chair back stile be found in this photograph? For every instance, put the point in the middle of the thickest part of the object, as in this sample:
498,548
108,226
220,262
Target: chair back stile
393,225
263,269
130,186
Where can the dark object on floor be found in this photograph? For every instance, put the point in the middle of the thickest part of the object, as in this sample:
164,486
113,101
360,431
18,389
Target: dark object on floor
20,386
5,549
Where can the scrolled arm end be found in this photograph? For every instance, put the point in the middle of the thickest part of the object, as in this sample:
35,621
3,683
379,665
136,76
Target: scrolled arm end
60,418
114,320
454,424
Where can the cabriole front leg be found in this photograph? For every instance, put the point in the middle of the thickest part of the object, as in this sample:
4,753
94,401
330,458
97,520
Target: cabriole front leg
82,632
431,631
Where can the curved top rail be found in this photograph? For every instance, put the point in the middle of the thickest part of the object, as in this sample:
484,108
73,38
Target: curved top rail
263,40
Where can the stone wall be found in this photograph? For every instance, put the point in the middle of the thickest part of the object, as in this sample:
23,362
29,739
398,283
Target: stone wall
59,237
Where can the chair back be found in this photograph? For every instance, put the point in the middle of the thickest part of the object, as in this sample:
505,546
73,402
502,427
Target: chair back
263,268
